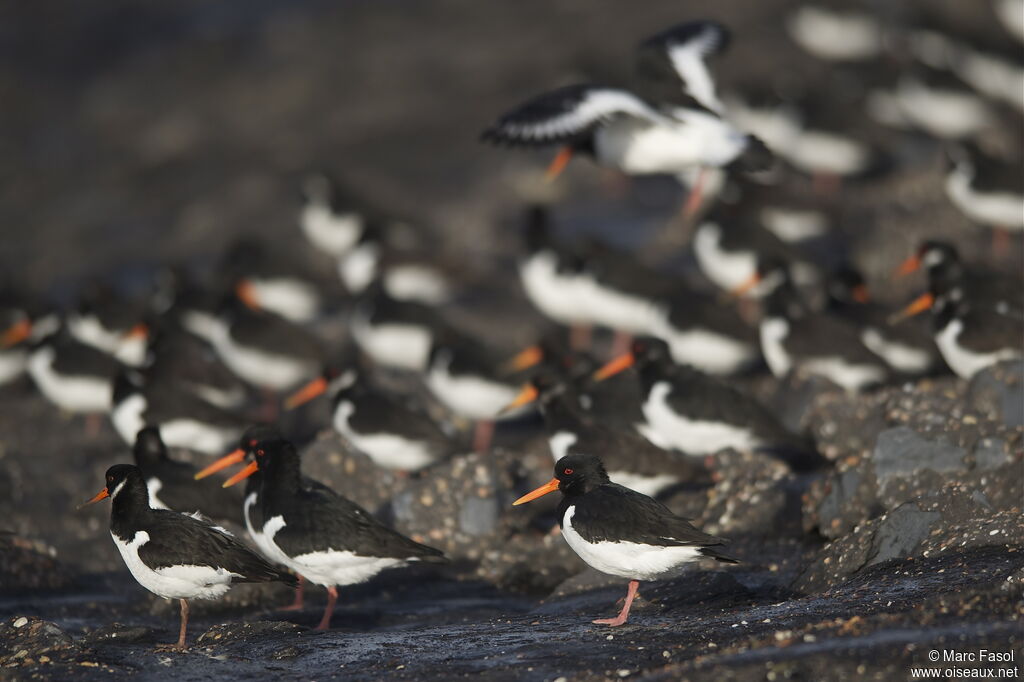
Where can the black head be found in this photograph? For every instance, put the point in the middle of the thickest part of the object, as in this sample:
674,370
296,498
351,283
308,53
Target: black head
578,474
548,386
124,484
149,448
127,382
847,286
257,435
538,228
650,350
936,254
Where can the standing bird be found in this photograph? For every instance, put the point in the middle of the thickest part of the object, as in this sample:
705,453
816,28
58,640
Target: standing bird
173,555
988,190
171,484
621,532
319,534
670,123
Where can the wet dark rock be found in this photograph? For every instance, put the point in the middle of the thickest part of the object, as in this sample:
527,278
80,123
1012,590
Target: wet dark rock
232,633
26,640
117,633
998,392
30,565
795,396
754,494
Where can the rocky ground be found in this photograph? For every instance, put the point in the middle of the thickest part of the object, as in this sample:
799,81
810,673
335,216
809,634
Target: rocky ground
138,135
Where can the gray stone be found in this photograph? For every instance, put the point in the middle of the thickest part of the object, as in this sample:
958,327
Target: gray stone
999,392
901,532
900,452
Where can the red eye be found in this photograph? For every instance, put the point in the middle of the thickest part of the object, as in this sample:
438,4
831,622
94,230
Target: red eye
253,442
567,472
260,452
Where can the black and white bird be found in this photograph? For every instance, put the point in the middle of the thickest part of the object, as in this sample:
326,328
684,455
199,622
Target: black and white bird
670,122
836,33
174,555
110,322
686,410
74,376
172,485
389,430
987,189
395,333
268,279
319,534
621,532
177,355
330,219
184,419
632,460
16,330
796,339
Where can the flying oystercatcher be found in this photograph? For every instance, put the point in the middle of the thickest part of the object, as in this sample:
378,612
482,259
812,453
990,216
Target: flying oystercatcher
621,532
381,425
671,122
692,412
319,534
174,555
171,484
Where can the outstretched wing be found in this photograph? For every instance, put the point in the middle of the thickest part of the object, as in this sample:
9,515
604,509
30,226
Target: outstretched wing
677,57
566,113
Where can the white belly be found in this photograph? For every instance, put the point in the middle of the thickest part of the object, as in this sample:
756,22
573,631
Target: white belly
727,270
470,397
292,299
773,334
695,437
558,295
413,282
628,559
698,139
620,311
12,364
330,233
404,346
964,362
1004,210
385,449
710,352
173,582
823,152
852,377
833,36
71,393
260,368
195,435
127,417
899,356
944,113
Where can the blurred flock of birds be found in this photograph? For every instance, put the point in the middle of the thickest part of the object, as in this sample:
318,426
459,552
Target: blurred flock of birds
205,356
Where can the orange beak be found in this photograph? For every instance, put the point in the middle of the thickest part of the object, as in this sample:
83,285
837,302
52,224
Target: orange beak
99,496
16,333
559,163
523,360
860,294
911,264
139,331
619,364
549,487
306,393
918,305
223,463
525,397
250,469
246,293
742,289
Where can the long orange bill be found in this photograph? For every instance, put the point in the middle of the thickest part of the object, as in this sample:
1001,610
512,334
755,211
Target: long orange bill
911,264
549,487
139,331
525,397
860,294
16,333
306,393
619,364
559,163
223,463
523,360
742,289
250,469
99,496
246,293
918,305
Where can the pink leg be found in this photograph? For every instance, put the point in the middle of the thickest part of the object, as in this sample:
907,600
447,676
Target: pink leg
621,343
332,597
93,425
624,613
483,433
579,337
299,593
180,644
696,198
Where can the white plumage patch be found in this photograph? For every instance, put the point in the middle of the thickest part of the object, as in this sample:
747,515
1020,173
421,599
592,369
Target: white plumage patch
945,113
71,393
558,295
668,429
688,60
12,364
727,270
405,346
632,560
89,330
334,234
470,396
835,36
127,417
174,582
710,352
385,449
899,356
560,442
999,209
596,106
153,485
417,282
292,299
821,151
794,225
359,267
963,361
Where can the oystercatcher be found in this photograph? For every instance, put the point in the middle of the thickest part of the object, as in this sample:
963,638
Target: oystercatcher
621,532
987,189
172,485
466,377
111,323
949,276
388,430
330,218
632,461
908,348
267,280
319,534
404,275
934,101
793,338
836,34
15,336
698,414
181,357
174,555
659,128
185,420
74,376
392,332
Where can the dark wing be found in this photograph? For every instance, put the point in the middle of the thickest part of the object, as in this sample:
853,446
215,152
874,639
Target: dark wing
823,336
73,358
275,334
566,114
376,412
181,492
623,450
320,519
690,309
613,513
165,402
676,57
990,332
178,539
